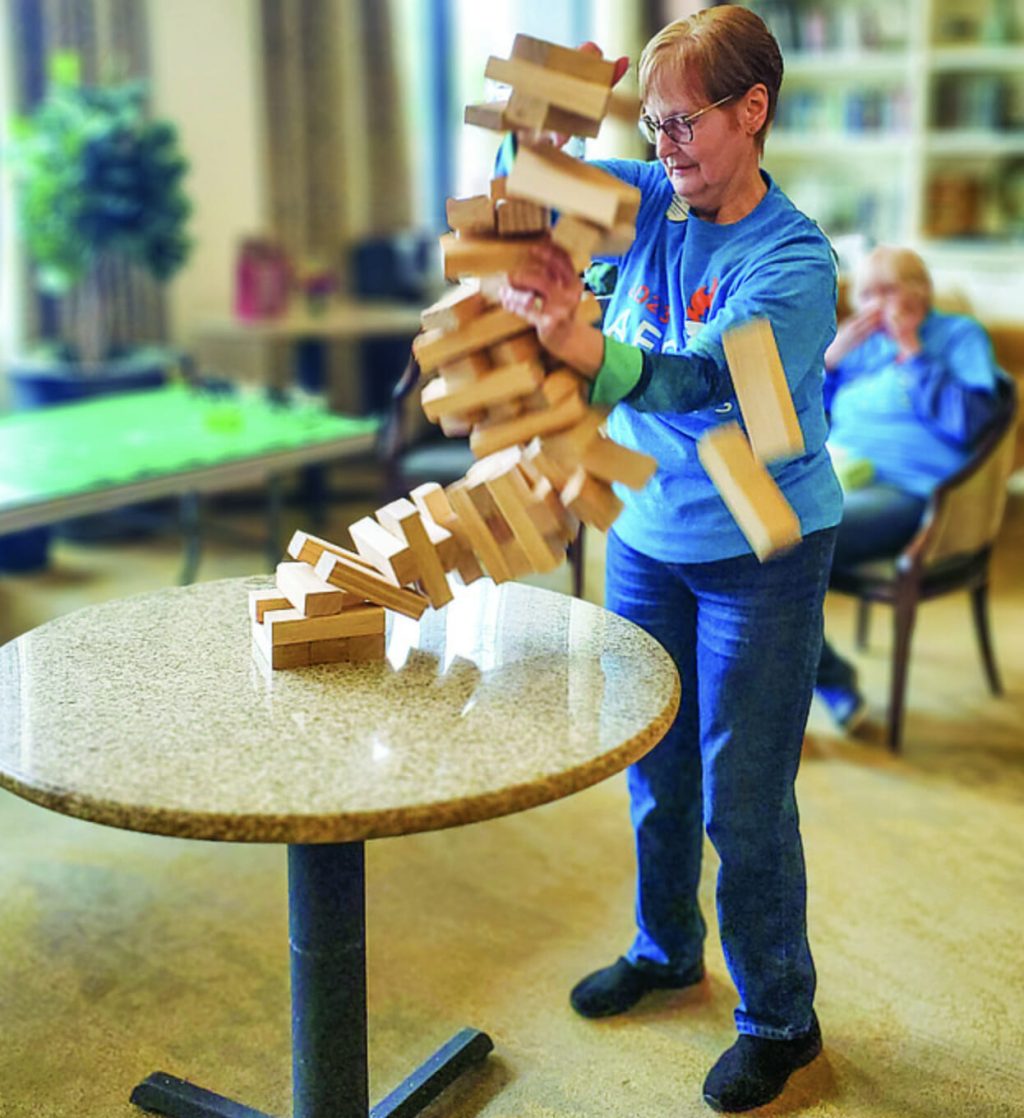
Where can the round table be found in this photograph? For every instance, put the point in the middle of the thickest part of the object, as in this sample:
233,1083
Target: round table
155,713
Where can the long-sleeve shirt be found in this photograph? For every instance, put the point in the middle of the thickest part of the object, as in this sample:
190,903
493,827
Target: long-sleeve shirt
915,421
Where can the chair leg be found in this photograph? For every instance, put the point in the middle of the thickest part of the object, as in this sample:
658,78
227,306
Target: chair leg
979,607
863,622
904,615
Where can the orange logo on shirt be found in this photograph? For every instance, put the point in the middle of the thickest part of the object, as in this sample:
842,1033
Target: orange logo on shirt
700,302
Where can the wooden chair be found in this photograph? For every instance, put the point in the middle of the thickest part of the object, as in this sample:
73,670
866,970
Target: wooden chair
413,451
950,552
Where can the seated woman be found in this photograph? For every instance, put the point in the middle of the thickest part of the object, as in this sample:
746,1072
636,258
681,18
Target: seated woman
909,389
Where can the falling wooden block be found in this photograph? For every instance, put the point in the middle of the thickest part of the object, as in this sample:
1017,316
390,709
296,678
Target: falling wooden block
466,369
525,111
566,60
486,438
578,237
308,593
478,532
454,309
435,507
523,347
499,187
610,461
262,600
494,115
513,497
514,216
348,571
549,514
481,256
763,392
308,549
403,520
487,114
288,626
392,557
552,178
561,90
558,456
435,349
591,500
470,215
763,514
441,399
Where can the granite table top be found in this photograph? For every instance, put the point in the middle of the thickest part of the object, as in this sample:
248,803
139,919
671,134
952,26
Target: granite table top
154,713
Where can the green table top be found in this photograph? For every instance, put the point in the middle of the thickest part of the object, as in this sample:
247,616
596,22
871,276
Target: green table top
117,440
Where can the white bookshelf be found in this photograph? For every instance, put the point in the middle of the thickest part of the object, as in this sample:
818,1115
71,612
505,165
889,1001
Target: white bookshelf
904,121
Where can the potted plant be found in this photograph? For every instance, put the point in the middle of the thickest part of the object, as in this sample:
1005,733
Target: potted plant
96,183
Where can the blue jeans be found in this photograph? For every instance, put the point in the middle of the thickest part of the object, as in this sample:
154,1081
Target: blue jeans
878,521
746,638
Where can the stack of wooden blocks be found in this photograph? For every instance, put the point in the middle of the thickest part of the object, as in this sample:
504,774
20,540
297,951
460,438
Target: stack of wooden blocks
543,464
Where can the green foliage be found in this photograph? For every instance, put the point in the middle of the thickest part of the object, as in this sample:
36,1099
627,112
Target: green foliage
94,177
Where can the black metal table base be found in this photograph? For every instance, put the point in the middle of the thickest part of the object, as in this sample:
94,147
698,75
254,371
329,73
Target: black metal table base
327,935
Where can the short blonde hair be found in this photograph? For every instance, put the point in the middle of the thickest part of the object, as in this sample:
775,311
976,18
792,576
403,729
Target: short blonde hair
890,264
726,50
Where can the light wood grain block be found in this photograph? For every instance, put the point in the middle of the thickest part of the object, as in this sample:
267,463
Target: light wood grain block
288,626
470,215
434,349
566,60
262,600
281,656
552,178
564,91
479,534
348,571
499,186
439,398
403,519
591,500
578,237
763,514
515,216
487,114
763,391
493,115
525,111
435,508
308,593
611,461
514,498
391,556
523,347
481,256
455,308
486,438
512,552
309,548
467,369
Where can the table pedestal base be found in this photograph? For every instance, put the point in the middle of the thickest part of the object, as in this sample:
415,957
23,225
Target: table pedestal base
327,933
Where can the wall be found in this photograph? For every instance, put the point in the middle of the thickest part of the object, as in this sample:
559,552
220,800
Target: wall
206,65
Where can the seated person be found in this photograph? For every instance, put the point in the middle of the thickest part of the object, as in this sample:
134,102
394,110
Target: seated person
909,389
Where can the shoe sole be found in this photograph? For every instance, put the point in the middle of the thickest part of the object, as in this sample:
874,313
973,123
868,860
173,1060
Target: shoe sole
720,1109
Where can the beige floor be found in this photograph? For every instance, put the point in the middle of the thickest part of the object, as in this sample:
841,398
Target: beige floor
123,953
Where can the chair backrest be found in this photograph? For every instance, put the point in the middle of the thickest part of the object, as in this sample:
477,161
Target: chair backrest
966,510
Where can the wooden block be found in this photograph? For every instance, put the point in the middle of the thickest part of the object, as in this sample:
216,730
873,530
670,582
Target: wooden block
763,514
576,63
499,413
524,111
481,256
523,347
308,593
552,178
512,553
355,649
434,350
590,309
281,655
499,187
578,237
513,497
478,532
348,571
591,500
288,626
618,239
762,390
470,215
402,519
514,216
549,514
487,114
391,556
609,461
564,91
309,548
434,506
487,438
440,399
262,600
469,368
455,308
572,124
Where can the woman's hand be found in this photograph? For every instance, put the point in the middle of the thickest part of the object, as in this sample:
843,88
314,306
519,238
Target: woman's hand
853,331
546,291
903,318
529,137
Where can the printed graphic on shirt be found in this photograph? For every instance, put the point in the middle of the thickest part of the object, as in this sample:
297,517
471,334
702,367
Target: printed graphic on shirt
700,302
678,210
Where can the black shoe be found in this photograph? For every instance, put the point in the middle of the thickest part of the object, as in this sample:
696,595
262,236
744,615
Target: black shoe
754,1070
620,986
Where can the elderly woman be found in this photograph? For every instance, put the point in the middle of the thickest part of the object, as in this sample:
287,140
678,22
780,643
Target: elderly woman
717,243
909,389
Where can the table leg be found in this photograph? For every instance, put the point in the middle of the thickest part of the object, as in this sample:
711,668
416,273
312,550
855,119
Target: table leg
191,529
327,938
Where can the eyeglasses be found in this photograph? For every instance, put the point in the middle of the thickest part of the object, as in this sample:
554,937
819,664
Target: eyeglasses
679,129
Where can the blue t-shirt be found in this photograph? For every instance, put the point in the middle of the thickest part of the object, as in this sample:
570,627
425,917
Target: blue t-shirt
914,421
682,283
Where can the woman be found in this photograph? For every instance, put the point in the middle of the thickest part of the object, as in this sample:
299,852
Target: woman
745,636
909,389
